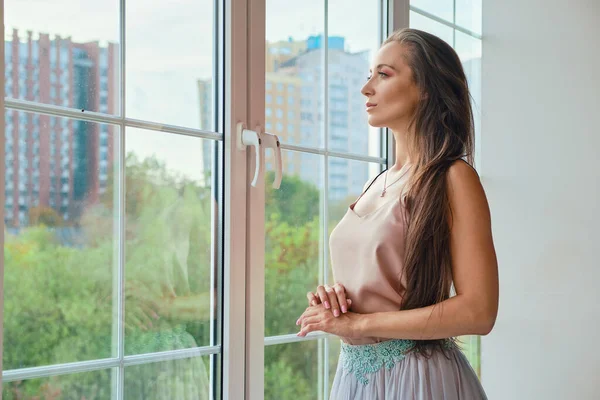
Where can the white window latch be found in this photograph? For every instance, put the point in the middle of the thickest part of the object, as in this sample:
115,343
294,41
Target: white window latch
260,141
246,137
272,141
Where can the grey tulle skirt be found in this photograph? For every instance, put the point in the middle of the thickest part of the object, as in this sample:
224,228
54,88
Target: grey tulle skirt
386,371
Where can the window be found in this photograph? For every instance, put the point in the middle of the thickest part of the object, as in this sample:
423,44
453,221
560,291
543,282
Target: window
108,332
151,291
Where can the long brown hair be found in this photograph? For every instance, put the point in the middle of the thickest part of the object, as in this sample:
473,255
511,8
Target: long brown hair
444,133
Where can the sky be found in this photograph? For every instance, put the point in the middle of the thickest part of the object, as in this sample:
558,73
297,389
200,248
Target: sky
169,46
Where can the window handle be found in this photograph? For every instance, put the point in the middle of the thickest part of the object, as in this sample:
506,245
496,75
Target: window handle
245,138
272,141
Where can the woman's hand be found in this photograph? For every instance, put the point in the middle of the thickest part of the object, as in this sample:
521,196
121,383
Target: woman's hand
333,298
318,318
142,309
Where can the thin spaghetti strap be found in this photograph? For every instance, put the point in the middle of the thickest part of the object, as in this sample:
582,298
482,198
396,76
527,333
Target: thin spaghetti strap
365,191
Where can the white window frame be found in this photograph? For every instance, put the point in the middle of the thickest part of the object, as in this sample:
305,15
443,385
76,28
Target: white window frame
230,341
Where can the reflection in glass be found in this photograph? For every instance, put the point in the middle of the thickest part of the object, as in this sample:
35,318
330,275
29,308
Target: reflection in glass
76,67
168,209
184,379
84,385
293,250
292,371
59,218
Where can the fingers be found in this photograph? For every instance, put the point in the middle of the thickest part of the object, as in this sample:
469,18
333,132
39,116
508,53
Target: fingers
340,293
137,318
310,325
323,296
309,312
333,300
312,299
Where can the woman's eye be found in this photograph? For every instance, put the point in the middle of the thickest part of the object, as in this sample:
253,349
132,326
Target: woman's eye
368,78
383,74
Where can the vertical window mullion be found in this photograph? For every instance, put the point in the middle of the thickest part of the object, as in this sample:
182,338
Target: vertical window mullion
454,23
121,148
324,343
2,196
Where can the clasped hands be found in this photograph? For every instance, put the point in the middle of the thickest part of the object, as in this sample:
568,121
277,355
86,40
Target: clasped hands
328,311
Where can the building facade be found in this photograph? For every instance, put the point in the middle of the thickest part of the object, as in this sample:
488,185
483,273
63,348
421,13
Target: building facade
51,162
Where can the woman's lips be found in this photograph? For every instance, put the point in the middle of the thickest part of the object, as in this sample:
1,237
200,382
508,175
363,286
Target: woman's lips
370,106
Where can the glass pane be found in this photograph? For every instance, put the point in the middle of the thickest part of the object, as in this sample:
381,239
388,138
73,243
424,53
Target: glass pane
292,371
468,14
442,31
60,248
294,245
170,58
97,385
440,8
168,245
334,355
469,51
352,45
346,181
185,379
56,61
471,347
294,71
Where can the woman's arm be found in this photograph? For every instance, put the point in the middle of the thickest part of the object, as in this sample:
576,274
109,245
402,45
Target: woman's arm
474,268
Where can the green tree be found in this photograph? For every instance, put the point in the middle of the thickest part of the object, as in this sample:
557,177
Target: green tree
59,299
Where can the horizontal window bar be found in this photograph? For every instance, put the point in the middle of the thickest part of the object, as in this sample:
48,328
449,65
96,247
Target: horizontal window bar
292,338
95,365
323,152
171,355
58,111
61,369
444,22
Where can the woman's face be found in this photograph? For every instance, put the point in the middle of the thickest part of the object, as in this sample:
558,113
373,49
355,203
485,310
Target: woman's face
392,96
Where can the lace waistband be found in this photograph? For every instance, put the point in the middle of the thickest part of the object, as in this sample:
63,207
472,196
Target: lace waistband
364,359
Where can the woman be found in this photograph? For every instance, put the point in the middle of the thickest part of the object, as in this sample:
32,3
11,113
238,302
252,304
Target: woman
418,229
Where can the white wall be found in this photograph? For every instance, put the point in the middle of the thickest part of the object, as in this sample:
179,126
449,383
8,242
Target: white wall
540,153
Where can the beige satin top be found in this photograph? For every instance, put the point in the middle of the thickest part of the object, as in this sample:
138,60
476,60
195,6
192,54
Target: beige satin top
367,257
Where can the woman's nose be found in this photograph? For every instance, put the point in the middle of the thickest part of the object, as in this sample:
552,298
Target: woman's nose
367,90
